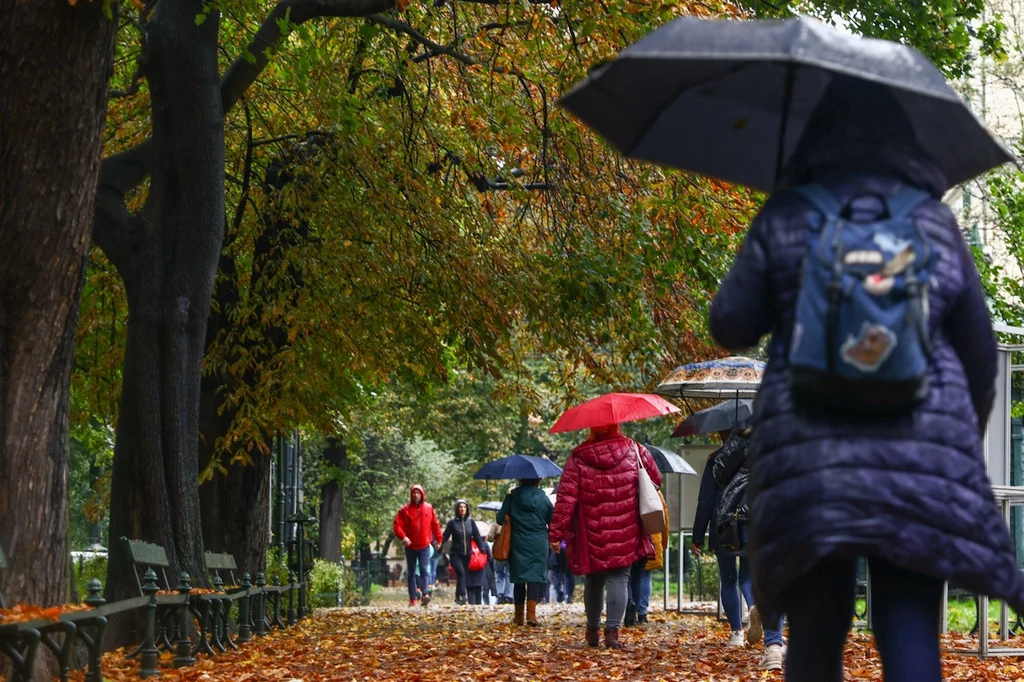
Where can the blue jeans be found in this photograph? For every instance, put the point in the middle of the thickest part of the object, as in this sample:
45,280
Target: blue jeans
644,593
416,559
502,582
433,570
732,584
905,611
772,631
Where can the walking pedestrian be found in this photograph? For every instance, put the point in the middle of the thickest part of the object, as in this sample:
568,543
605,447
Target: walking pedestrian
734,583
416,525
529,511
462,531
597,515
838,471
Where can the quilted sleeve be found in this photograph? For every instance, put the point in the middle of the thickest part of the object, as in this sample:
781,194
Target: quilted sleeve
743,309
565,503
649,465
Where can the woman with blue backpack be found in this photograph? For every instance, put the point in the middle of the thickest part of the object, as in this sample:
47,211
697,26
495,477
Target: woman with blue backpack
879,383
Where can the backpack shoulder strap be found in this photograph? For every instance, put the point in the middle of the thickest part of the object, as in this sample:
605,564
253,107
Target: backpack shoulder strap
905,201
821,198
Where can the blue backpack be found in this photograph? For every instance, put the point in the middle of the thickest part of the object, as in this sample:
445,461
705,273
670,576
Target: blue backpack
860,337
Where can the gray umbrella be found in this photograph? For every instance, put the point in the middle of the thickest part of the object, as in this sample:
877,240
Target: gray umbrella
669,462
731,99
720,417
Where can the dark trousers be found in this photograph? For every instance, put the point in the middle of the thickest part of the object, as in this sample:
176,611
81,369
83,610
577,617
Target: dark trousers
417,583
521,592
475,595
905,610
565,581
461,564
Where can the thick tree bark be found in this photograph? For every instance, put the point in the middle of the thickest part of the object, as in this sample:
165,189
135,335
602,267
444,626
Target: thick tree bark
331,501
54,64
169,273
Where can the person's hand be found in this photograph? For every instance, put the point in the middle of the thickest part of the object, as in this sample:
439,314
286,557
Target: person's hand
554,547
696,550
407,542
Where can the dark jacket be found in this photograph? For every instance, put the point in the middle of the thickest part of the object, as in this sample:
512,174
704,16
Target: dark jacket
732,473
911,489
530,510
707,503
461,530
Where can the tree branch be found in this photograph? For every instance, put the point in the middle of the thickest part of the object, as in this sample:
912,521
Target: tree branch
426,42
245,69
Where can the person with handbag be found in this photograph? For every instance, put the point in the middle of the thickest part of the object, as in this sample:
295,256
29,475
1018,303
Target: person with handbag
598,516
503,585
463,533
526,511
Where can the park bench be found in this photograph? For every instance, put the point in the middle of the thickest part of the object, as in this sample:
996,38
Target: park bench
221,569
19,641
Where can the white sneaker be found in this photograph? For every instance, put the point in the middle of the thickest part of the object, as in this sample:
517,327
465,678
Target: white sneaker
736,638
773,657
755,632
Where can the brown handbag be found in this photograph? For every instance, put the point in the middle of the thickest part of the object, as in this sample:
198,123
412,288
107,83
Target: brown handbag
503,542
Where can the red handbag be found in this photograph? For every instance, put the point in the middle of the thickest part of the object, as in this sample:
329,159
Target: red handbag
477,559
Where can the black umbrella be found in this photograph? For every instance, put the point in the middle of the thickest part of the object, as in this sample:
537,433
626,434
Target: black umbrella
518,466
731,99
489,506
669,462
720,417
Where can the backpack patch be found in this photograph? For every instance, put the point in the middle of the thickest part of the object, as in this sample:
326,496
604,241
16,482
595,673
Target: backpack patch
860,335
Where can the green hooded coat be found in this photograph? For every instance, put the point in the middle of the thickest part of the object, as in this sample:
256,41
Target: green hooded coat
530,510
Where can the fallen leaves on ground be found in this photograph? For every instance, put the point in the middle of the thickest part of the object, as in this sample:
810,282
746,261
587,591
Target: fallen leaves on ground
479,644
22,613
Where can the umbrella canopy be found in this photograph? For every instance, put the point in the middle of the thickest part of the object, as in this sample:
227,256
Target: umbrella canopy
731,99
518,466
613,408
732,377
669,462
720,417
490,506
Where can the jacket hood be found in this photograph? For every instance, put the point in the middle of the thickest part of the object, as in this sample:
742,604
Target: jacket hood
528,499
423,493
455,507
836,140
605,453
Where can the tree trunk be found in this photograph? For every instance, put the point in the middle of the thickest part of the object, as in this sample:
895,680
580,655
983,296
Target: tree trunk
54,63
169,273
331,500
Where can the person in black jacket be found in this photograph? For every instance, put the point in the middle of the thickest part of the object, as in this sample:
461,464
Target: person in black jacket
708,501
462,531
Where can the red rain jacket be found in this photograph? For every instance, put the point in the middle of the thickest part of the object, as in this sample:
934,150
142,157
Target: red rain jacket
418,522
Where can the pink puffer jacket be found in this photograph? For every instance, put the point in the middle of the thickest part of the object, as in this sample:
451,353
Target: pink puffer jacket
596,511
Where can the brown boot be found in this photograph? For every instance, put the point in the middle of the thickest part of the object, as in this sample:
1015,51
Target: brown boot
593,636
611,638
520,614
531,613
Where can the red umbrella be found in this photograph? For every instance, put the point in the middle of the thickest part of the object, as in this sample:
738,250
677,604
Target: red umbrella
613,408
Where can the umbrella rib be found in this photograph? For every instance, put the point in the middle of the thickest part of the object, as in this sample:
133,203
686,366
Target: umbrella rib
679,91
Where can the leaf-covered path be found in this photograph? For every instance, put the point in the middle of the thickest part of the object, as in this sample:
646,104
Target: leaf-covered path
476,644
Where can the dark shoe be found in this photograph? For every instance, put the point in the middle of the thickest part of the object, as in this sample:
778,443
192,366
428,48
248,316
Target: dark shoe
630,620
561,597
593,636
641,618
611,638
426,599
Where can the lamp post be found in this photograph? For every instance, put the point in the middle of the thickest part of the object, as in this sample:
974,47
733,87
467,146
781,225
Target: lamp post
299,543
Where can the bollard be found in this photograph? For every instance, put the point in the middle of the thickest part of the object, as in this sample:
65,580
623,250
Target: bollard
184,643
244,607
260,619
291,598
150,655
94,643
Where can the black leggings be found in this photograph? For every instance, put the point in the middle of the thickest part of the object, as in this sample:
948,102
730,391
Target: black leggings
461,564
475,595
905,610
521,592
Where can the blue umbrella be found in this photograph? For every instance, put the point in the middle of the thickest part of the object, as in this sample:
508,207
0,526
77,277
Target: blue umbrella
489,506
518,466
720,417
